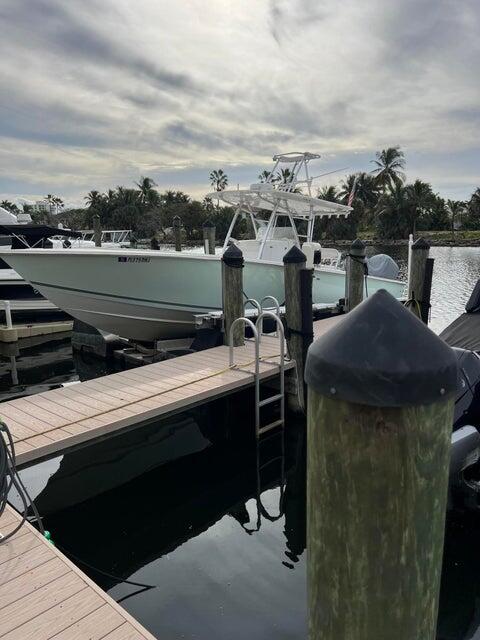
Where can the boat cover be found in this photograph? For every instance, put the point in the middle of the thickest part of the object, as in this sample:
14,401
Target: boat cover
36,231
464,332
382,266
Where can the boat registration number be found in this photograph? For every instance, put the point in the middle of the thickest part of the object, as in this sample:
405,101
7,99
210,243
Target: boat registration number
133,259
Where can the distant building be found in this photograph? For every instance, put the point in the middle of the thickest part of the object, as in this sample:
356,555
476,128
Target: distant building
44,206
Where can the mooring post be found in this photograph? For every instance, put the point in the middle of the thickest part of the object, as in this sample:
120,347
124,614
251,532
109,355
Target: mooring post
354,275
298,313
97,230
154,244
380,408
177,232
232,293
209,237
417,279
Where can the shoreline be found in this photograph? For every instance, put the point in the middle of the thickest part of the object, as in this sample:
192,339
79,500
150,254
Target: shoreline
433,242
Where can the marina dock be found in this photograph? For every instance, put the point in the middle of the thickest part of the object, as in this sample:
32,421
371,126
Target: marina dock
51,422
43,595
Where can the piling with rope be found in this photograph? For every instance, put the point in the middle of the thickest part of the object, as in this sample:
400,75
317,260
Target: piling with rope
97,230
232,294
355,272
209,237
419,280
298,313
177,232
381,396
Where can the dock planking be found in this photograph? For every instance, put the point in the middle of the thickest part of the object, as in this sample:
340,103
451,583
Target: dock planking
48,423
43,596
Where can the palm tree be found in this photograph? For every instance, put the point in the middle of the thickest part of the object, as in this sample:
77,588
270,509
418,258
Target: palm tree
390,164
265,174
9,206
328,193
284,176
218,179
94,199
149,195
421,198
455,209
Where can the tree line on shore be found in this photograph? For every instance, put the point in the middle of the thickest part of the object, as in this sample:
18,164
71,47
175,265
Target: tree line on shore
382,202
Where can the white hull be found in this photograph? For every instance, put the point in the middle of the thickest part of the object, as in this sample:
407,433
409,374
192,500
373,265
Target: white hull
145,295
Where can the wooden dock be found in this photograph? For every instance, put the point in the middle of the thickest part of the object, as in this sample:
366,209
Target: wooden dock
51,422
43,596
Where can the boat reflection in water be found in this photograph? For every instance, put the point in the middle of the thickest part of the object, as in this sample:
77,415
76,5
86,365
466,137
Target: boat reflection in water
222,564
213,553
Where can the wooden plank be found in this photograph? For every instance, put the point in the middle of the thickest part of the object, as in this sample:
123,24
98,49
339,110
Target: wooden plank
31,559
95,626
43,595
56,618
17,546
125,632
31,607
31,581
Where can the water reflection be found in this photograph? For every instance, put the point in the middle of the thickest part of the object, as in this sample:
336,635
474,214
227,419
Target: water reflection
455,273
224,565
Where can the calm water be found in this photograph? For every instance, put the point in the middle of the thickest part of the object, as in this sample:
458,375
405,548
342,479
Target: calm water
211,560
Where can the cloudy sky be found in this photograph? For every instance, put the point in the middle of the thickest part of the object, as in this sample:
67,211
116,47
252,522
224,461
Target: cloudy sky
95,93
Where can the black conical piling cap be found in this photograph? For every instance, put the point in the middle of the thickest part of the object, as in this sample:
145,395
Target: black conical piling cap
294,256
232,256
420,244
357,248
381,355
208,224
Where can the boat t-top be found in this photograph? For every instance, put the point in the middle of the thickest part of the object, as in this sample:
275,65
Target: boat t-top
145,294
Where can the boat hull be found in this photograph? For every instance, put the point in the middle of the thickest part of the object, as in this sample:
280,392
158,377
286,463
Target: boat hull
147,295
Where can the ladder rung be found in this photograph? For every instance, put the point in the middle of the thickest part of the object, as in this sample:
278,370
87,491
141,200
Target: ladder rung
262,403
272,425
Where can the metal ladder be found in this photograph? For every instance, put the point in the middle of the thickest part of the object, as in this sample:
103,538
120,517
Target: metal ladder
257,331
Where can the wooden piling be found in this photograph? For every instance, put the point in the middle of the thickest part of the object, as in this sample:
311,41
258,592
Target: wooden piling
417,279
209,237
97,230
177,232
381,395
154,245
232,293
354,275
298,313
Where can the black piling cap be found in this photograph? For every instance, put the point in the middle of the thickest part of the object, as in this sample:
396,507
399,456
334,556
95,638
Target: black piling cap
380,354
420,244
294,256
208,224
233,257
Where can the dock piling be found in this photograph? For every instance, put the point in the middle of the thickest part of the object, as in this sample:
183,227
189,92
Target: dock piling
381,395
97,230
419,279
298,312
355,275
232,294
209,237
177,232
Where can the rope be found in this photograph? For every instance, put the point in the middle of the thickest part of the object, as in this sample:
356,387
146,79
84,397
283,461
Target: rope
413,301
154,395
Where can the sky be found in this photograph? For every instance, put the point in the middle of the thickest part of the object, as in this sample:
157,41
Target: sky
96,93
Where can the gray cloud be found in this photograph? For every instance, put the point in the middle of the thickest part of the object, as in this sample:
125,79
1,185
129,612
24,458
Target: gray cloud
101,91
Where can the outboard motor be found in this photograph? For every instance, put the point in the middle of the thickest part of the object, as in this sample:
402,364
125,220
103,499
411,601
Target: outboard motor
383,266
464,488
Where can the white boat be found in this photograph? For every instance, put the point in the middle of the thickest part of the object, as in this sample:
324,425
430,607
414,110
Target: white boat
145,295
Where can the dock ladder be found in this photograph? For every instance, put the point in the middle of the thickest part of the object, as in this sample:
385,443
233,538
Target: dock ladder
257,331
